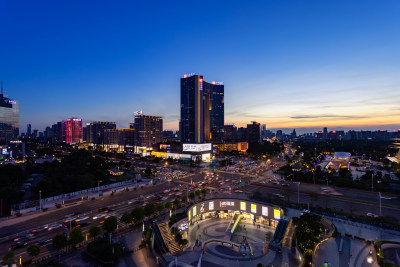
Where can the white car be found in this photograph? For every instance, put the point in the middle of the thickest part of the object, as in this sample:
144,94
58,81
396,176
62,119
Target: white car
98,216
372,215
82,219
54,226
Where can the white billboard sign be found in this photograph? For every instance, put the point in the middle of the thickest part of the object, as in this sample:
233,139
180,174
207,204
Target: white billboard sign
196,147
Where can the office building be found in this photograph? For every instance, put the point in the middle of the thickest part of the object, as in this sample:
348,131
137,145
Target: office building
29,130
253,132
202,110
73,131
242,134
9,118
148,130
230,132
94,132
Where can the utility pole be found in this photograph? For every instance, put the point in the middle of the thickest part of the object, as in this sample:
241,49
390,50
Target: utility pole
40,200
380,204
298,192
372,182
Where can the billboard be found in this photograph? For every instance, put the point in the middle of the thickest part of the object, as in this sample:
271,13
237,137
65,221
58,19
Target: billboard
4,151
253,208
242,205
211,205
277,214
196,147
264,211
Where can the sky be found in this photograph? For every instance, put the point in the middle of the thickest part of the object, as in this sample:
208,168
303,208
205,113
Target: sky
286,64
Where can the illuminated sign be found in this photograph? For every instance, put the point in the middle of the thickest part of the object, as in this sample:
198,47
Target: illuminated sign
194,211
196,147
242,205
277,214
202,207
264,211
13,102
4,151
219,83
211,205
189,214
224,204
137,113
188,75
254,208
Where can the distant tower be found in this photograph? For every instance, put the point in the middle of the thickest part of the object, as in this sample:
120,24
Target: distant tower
29,130
325,133
294,135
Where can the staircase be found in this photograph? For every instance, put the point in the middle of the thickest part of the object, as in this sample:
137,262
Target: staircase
169,241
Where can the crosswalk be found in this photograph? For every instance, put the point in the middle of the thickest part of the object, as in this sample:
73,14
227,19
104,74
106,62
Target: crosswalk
172,245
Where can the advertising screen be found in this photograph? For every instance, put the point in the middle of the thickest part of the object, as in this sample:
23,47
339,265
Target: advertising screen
194,211
242,205
277,214
189,214
253,208
4,152
197,147
264,211
211,205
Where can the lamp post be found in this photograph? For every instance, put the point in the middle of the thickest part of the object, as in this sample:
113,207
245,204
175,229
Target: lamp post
298,192
380,205
372,182
98,187
40,200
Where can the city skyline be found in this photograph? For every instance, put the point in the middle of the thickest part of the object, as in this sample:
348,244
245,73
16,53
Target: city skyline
282,64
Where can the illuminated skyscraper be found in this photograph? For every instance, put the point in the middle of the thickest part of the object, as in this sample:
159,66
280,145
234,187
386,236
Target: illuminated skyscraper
148,130
73,131
202,110
9,118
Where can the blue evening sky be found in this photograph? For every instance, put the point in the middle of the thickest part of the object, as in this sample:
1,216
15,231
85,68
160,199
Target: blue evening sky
303,64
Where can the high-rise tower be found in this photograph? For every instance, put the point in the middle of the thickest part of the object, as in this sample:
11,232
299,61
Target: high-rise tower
9,118
202,110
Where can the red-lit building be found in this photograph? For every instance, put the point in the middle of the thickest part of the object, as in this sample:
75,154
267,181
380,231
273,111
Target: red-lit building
73,131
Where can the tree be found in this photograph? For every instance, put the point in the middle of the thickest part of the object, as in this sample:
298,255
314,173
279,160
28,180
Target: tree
138,214
184,199
168,205
75,237
110,224
204,192
127,218
59,241
198,193
149,209
160,207
94,231
177,202
33,250
8,258
191,195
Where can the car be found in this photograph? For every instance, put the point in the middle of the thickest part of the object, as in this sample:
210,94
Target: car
22,238
54,226
103,209
285,185
80,219
39,229
98,216
133,201
17,245
69,219
81,224
372,215
43,242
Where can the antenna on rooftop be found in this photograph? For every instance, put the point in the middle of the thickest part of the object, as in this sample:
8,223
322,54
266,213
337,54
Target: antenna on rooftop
1,87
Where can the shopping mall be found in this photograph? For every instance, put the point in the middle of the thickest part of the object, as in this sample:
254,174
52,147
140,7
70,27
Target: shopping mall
223,208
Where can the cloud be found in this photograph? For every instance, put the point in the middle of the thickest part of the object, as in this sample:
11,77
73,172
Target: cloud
328,116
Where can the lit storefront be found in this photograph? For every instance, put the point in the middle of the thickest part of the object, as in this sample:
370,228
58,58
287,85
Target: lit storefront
227,208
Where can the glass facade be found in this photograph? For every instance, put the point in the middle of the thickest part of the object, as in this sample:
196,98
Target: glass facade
9,119
202,110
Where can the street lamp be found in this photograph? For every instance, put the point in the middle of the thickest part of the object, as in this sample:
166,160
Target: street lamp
40,200
372,182
98,187
298,192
